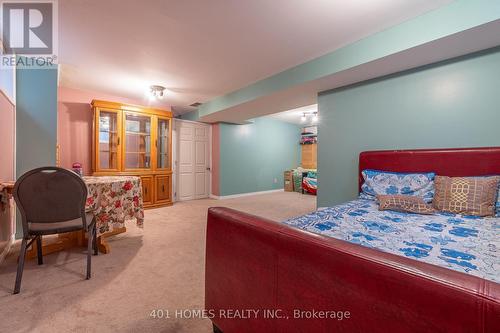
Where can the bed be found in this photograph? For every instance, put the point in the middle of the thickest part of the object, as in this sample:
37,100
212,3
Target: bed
254,263
463,243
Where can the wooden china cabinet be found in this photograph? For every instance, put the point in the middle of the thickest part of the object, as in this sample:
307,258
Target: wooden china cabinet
134,140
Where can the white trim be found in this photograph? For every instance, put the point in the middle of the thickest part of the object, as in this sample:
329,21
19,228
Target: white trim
212,196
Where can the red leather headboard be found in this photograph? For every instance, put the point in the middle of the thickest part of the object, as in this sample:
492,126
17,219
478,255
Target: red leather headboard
454,162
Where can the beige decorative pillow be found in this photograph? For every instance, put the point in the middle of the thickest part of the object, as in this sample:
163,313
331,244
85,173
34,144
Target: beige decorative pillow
404,203
466,195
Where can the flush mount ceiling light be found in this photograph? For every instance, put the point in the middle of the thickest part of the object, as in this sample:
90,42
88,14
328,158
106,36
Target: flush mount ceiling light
156,92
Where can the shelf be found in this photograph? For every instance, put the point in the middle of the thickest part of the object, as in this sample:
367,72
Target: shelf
110,132
137,133
137,152
108,151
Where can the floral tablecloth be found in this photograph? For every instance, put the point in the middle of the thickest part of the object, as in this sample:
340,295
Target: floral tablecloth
115,200
5,194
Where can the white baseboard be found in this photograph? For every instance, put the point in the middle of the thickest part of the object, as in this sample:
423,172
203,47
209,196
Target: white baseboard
232,196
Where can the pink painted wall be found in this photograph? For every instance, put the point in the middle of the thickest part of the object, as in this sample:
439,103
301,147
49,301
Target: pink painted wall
7,156
74,124
215,158
7,137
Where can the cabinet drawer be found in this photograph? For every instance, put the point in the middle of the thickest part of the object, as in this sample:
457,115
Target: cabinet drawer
147,189
163,188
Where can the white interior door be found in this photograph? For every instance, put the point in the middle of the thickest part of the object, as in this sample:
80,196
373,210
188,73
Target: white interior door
193,160
174,162
201,162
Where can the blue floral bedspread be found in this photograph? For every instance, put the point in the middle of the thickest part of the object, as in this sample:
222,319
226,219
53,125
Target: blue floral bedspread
463,243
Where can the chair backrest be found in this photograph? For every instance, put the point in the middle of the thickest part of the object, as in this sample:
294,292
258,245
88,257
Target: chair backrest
50,194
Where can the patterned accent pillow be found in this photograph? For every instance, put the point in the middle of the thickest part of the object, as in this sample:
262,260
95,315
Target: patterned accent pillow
405,203
497,203
466,195
383,182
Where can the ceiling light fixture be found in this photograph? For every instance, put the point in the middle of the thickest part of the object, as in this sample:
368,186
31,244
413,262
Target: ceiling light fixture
314,115
156,92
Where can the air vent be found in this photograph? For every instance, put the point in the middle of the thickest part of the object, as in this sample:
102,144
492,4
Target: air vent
195,104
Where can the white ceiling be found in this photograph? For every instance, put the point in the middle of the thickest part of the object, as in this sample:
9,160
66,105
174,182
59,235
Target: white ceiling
479,38
201,49
294,116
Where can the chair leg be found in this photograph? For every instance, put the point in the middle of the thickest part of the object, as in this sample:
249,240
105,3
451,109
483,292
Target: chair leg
96,250
20,266
39,249
89,251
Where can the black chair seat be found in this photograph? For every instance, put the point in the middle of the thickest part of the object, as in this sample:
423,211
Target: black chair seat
60,227
55,198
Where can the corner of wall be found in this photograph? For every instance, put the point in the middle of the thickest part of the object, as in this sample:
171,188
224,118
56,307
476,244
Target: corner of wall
215,159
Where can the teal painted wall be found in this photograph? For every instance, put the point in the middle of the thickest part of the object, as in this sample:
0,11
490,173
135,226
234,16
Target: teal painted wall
36,121
450,104
252,155
193,115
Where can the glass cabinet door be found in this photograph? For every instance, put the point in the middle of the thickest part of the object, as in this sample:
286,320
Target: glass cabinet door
163,144
108,153
137,141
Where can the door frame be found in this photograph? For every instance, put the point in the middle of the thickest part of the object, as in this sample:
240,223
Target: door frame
175,154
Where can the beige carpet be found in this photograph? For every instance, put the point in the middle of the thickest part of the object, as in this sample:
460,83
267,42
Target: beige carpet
159,267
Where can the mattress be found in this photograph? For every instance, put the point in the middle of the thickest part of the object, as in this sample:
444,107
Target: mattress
463,243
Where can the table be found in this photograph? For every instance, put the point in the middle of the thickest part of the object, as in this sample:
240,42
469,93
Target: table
114,200
6,218
5,193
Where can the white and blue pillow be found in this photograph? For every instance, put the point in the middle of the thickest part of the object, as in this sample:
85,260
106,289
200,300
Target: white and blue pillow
384,182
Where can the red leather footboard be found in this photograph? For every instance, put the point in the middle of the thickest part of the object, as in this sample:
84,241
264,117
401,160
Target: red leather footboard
254,265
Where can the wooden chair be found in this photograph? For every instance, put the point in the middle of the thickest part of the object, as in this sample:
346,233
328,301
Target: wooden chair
52,201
